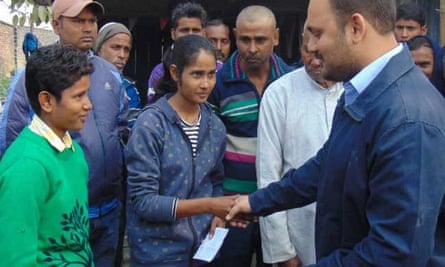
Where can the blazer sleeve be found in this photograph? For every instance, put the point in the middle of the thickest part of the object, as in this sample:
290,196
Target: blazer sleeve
406,188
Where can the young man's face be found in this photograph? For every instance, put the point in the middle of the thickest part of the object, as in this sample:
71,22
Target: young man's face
328,42
197,79
71,111
424,59
116,50
255,42
219,37
407,29
79,31
187,26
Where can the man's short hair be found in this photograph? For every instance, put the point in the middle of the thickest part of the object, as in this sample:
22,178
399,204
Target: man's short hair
411,11
419,41
54,68
381,14
188,10
215,22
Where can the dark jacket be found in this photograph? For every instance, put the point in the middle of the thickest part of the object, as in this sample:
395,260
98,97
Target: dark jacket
161,170
379,181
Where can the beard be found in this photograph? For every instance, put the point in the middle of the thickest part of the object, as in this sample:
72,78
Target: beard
220,55
253,64
343,71
340,65
253,67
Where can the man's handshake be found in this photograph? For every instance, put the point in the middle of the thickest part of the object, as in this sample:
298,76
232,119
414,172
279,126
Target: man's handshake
240,213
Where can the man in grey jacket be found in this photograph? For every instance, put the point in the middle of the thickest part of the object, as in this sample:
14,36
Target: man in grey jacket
76,24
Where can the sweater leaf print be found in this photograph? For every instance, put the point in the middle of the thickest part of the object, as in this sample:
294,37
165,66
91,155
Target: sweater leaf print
75,228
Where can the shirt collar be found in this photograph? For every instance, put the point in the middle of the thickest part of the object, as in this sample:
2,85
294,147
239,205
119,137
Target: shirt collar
362,79
39,127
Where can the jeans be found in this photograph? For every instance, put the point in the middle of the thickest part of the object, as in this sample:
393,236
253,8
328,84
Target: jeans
104,236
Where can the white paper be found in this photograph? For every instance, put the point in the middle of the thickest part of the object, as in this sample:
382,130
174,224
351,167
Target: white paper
209,247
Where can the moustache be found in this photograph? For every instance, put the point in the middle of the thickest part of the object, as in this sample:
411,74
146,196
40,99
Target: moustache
219,54
252,58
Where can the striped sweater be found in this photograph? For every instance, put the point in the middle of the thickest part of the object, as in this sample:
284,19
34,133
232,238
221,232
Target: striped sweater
236,101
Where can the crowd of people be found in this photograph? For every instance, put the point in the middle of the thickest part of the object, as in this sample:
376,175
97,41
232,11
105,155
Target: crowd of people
334,163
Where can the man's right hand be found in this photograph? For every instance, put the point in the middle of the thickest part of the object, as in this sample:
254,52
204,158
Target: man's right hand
239,215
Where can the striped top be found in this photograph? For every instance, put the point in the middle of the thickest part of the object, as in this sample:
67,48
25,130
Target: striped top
192,132
236,101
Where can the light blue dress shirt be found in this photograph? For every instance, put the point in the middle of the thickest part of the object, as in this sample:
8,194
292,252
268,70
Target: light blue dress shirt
358,83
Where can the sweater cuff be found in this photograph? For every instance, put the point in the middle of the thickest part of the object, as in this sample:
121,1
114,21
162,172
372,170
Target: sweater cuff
174,208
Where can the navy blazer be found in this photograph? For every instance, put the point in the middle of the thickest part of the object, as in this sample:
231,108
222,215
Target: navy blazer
379,180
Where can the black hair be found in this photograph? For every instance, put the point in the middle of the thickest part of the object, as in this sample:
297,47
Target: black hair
381,14
411,11
216,22
54,68
187,50
184,53
419,41
188,10
166,84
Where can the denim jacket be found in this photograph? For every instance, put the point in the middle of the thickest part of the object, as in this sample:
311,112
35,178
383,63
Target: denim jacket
378,181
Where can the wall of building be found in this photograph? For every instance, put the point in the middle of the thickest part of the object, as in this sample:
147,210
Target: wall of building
11,39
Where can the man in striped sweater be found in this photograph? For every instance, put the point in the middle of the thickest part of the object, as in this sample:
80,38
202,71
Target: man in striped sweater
236,97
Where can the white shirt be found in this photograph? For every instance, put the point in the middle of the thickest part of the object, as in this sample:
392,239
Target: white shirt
295,120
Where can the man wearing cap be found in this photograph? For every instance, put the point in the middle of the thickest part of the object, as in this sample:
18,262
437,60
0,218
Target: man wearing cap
113,44
75,21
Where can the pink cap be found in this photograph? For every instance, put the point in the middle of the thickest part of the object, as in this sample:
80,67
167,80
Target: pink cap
72,8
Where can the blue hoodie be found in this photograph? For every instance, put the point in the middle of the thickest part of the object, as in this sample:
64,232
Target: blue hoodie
161,170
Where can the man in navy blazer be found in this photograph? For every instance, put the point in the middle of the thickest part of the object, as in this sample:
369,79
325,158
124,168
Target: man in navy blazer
379,180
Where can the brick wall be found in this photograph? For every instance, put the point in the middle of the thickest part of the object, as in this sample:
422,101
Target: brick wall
11,39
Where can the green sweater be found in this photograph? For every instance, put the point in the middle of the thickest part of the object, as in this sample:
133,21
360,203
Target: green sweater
43,205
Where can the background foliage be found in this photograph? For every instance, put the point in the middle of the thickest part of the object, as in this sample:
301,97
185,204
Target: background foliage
41,12
4,83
